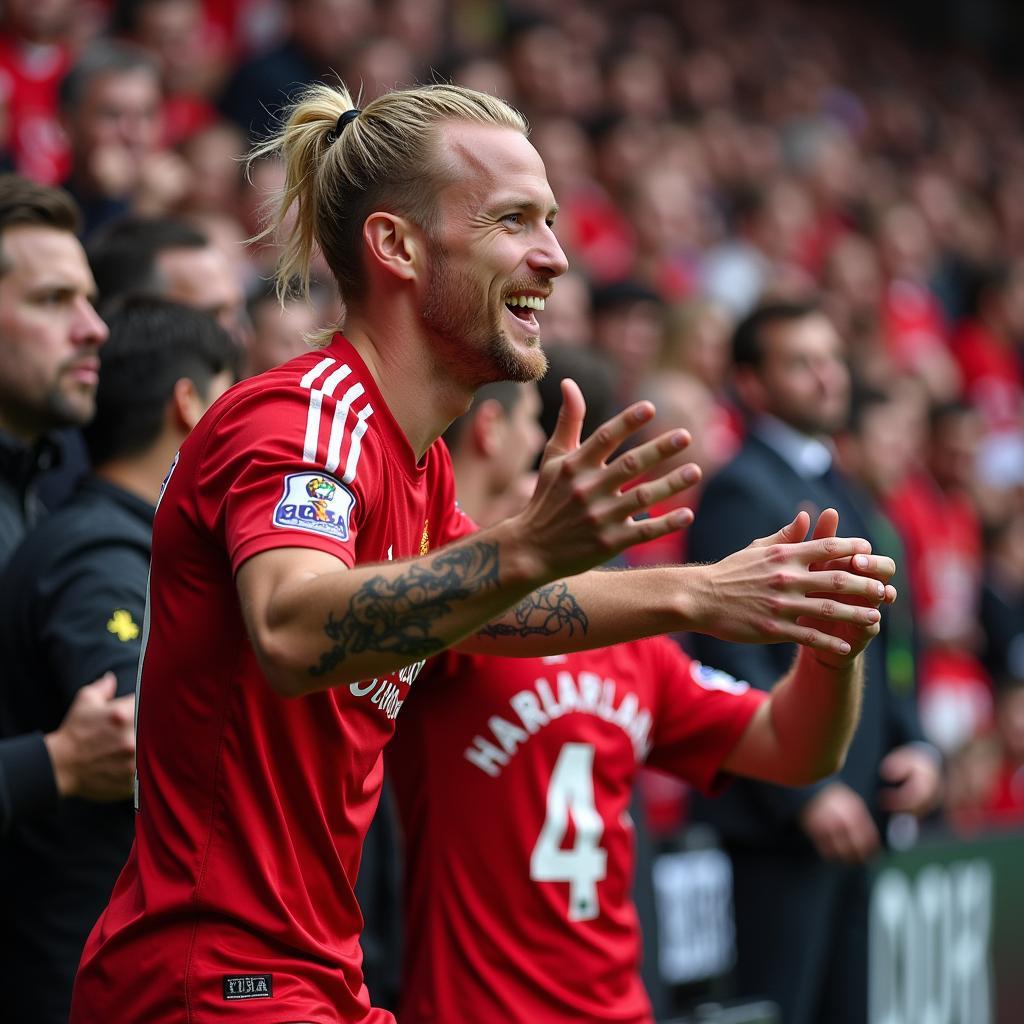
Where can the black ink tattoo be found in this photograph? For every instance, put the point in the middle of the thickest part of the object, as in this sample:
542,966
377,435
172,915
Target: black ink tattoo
548,610
397,616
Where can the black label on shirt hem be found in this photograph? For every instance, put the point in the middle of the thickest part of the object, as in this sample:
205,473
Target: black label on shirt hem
248,986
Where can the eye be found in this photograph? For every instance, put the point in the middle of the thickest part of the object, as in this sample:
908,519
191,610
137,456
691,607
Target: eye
513,218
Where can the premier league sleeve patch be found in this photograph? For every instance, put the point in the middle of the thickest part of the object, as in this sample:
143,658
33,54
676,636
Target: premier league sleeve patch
315,502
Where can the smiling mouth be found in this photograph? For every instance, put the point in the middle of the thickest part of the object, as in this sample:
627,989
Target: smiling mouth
524,307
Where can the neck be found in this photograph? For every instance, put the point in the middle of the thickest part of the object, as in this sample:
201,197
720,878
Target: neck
422,395
140,474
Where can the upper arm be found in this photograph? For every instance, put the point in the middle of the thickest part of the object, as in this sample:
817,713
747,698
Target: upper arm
93,607
269,581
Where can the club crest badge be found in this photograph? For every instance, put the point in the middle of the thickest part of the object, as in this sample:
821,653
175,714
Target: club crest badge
315,502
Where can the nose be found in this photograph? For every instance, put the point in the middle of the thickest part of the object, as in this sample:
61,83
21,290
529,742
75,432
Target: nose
88,329
547,256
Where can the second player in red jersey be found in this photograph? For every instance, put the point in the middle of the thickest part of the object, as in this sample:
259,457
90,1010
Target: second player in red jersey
513,777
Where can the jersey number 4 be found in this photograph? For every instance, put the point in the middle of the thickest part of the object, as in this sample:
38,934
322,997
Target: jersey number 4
571,791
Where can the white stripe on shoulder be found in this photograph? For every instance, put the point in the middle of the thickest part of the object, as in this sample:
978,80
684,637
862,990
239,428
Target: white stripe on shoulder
354,449
314,374
316,401
338,426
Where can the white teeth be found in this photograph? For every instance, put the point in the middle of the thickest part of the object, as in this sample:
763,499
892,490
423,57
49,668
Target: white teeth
527,301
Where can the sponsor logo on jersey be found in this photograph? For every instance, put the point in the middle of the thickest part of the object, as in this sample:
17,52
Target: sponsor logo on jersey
425,538
715,679
315,502
248,986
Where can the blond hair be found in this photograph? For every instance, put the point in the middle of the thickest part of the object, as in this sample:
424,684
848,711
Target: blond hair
384,159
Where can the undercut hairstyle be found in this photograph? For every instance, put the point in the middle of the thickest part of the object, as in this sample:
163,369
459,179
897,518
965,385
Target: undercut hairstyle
507,393
102,57
23,202
123,255
749,336
386,158
153,344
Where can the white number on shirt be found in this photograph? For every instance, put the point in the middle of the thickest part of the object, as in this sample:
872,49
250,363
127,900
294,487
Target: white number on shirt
571,791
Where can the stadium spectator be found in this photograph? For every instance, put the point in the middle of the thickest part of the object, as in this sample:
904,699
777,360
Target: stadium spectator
49,339
35,54
293,517
110,104
279,332
72,599
941,531
188,55
1002,601
799,855
166,257
629,328
322,35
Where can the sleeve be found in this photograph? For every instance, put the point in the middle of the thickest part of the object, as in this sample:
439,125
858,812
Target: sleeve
92,609
257,490
702,713
27,784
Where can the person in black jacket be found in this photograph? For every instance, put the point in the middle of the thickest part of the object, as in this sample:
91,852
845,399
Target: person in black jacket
49,339
72,601
799,855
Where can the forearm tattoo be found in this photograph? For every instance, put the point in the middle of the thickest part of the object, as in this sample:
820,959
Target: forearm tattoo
548,610
397,616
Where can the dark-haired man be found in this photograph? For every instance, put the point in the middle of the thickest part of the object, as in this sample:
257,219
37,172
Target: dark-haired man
71,607
50,337
168,257
798,854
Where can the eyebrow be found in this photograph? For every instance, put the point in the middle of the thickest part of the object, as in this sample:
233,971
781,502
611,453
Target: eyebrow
527,205
66,288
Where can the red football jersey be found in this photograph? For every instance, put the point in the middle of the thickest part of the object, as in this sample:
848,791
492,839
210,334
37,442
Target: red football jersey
513,780
237,900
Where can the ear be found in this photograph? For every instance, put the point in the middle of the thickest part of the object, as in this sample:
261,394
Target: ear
186,405
395,244
488,418
751,389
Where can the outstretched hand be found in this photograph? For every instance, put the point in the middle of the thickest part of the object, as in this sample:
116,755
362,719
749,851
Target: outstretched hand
785,589
585,508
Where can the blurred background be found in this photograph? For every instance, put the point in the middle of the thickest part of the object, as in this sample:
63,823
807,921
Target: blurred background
708,156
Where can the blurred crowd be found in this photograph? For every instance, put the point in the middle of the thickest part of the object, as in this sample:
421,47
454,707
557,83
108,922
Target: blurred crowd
707,157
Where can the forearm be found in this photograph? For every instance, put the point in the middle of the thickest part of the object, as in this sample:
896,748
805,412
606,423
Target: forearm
27,781
814,711
325,628
593,609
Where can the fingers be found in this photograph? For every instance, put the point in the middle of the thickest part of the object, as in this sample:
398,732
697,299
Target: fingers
566,435
103,688
792,533
610,435
826,526
878,567
637,461
856,840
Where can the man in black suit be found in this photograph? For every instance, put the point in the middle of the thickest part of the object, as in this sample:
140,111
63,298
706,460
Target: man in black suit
799,855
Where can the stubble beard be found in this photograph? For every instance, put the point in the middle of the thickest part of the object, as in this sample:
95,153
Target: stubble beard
475,345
